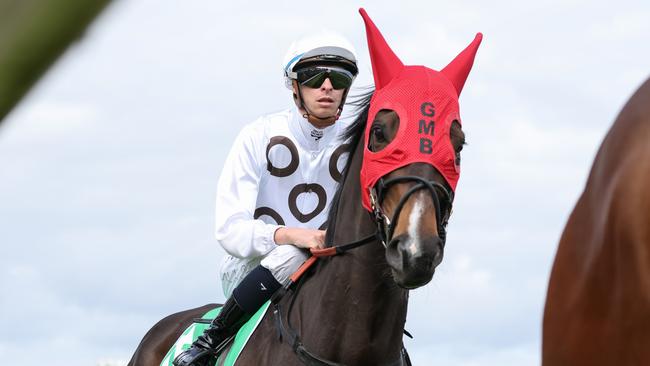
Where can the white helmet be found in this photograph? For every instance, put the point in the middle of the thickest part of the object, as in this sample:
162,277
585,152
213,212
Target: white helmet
322,48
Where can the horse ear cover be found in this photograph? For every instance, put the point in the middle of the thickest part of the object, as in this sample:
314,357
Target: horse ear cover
426,101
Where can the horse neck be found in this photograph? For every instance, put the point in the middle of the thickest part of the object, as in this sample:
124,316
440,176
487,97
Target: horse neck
357,295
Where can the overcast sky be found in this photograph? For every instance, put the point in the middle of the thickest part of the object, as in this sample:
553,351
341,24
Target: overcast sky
108,168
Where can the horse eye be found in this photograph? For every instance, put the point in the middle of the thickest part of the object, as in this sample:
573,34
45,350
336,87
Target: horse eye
378,133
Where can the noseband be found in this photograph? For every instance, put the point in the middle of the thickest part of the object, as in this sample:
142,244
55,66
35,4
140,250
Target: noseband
386,226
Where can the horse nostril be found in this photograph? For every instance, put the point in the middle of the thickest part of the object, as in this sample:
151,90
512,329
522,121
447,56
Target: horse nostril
427,254
395,253
394,243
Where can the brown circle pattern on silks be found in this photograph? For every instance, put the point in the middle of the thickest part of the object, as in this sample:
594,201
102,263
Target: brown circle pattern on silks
334,159
295,159
307,188
261,211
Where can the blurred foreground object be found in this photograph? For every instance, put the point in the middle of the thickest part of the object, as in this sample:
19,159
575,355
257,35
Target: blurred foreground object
33,34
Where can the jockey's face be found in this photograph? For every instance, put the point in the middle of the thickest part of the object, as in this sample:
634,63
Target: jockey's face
323,101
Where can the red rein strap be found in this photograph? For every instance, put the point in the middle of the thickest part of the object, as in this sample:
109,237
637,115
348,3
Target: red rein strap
316,253
303,268
328,252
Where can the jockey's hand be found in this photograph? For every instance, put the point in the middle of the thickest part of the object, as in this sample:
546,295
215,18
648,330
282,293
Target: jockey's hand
300,237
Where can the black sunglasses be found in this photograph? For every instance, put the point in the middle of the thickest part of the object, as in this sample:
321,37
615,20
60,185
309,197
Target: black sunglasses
314,77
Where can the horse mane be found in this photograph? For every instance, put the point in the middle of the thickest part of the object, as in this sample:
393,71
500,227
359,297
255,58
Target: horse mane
352,135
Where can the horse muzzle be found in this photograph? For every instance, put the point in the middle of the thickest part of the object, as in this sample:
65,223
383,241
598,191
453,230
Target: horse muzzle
413,261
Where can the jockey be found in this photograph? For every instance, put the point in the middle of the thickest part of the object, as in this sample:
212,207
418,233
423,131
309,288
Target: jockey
276,186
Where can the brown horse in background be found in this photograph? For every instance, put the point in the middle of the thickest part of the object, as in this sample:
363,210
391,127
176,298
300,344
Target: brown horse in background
598,303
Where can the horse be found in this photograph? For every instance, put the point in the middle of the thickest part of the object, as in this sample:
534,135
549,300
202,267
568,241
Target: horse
349,308
597,309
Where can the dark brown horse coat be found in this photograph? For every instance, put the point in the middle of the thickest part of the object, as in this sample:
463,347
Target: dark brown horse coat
598,302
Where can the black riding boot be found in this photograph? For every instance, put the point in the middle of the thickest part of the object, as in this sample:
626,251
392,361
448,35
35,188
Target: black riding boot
253,291
201,353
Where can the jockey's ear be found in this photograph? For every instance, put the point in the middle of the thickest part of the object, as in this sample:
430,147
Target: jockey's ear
296,94
294,89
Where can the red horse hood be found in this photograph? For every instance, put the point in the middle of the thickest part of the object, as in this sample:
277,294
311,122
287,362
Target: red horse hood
426,102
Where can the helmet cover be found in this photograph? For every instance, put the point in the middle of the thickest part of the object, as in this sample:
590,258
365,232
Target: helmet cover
324,48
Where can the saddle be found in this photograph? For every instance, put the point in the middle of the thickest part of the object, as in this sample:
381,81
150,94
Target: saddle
228,351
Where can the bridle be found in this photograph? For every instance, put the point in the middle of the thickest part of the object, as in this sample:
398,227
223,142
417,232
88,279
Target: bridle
384,233
386,226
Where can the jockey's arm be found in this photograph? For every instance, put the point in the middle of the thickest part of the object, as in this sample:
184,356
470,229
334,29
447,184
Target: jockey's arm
300,237
237,231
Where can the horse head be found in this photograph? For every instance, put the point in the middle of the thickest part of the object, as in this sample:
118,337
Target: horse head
411,159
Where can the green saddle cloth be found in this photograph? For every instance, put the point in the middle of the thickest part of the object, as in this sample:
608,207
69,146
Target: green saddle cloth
196,329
